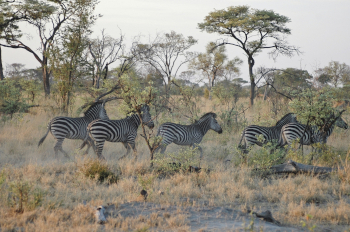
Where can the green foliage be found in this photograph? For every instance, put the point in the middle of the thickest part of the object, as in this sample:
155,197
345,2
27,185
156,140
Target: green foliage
31,88
11,99
22,195
290,79
187,102
176,162
235,20
134,94
146,181
335,74
314,107
98,170
214,63
307,225
270,154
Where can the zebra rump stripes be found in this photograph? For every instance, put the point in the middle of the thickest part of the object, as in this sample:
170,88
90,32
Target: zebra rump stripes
307,135
250,133
190,135
124,130
74,128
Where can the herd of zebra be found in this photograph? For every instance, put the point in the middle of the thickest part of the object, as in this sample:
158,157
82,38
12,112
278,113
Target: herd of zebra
95,128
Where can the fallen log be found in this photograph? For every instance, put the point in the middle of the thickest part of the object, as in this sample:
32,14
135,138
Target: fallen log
293,167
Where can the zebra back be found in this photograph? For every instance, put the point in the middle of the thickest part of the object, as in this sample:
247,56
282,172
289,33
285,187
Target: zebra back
308,134
250,133
288,118
74,128
96,111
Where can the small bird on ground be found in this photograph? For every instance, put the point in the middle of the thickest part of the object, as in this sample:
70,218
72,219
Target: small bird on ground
100,217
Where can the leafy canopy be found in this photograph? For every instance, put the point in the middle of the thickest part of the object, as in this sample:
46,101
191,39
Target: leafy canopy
249,27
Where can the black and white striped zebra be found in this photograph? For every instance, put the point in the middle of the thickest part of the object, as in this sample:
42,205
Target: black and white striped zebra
124,130
74,128
190,135
307,135
270,134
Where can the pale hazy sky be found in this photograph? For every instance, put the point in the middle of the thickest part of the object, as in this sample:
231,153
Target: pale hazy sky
320,28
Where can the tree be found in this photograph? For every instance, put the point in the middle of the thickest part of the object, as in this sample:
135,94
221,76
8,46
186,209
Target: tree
252,31
286,80
101,53
335,73
49,19
315,108
213,64
167,53
65,55
9,29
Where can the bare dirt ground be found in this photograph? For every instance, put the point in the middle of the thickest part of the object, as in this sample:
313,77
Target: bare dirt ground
197,218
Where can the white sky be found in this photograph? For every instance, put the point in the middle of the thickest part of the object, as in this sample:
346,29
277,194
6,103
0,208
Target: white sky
320,28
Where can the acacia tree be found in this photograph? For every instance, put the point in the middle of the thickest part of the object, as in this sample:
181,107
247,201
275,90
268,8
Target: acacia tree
48,17
252,31
167,53
214,64
9,29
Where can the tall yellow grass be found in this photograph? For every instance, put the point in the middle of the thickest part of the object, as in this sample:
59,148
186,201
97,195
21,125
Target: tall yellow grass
290,199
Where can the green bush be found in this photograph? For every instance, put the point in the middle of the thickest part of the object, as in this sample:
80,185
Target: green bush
270,154
22,195
176,162
11,99
98,170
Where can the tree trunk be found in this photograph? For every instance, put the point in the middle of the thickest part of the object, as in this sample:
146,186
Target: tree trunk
1,69
266,92
46,77
252,80
106,72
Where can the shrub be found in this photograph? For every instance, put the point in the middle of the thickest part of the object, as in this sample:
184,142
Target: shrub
267,156
21,195
176,162
98,170
11,100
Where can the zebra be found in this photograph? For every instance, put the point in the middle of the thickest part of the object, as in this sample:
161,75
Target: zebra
74,128
124,130
270,134
190,135
307,135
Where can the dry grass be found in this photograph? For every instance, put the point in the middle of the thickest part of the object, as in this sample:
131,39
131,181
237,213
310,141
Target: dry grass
69,197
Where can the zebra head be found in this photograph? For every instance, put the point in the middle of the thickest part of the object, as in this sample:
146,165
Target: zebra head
146,116
96,111
211,122
341,123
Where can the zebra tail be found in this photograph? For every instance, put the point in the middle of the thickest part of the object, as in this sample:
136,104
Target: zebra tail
43,138
87,135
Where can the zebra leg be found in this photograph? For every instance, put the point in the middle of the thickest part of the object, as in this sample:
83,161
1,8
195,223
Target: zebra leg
58,147
163,148
133,146
99,149
127,147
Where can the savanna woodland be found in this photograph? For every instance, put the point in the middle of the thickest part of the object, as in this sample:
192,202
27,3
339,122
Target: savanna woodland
218,173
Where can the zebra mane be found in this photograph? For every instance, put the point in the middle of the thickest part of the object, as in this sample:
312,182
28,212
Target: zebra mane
285,116
207,114
91,106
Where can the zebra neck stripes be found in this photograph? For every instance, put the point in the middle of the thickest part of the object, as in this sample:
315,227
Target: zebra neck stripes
135,119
